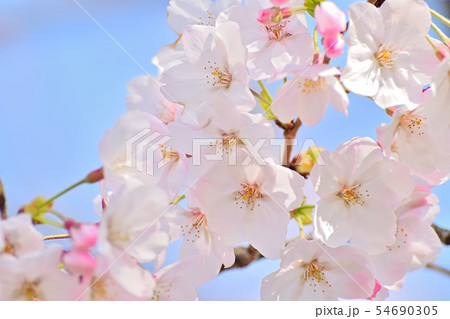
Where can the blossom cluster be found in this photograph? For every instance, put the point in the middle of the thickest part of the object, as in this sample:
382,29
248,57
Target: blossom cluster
193,161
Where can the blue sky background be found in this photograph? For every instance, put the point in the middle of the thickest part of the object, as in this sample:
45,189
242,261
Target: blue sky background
63,83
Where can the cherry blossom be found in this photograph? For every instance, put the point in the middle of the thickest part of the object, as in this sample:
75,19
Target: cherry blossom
312,271
198,240
389,58
183,13
359,190
145,95
130,226
271,48
154,163
118,279
172,283
250,203
214,66
36,276
308,94
407,139
416,243
18,236
227,132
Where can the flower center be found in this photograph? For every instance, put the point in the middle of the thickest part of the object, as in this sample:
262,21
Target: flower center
387,55
314,271
192,232
168,154
162,291
227,144
9,249
29,291
248,194
99,289
277,32
352,195
218,77
309,86
413,123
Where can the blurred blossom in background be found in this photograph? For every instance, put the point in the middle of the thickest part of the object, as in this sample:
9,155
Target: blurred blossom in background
63,83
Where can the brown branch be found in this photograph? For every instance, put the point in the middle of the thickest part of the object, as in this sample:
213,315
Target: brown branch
244,257
290,132
443,234
438,268
376,3
3,213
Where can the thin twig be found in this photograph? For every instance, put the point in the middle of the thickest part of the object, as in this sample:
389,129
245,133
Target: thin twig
438,268
246,255
290,133
3,212
443,234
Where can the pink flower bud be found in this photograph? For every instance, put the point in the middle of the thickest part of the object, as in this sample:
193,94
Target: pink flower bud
278,2
286,13
84,236
330,19
334,47
270,17
79,263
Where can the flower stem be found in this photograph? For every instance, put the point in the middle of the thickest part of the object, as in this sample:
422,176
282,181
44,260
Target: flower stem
299,9
316,41
51,199
259,96
178,199
440,33
263,87
61,236
440,17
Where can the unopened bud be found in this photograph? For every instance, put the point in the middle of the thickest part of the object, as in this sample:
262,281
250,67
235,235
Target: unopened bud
270,17
95,176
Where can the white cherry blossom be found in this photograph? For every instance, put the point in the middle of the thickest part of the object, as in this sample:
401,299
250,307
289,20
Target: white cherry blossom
129,224
416,243
308,93
36,276
18,236
215,65
407,139
145,95
250,203
183,13
136,151
312,271
359,189
198,240
271,48
389,58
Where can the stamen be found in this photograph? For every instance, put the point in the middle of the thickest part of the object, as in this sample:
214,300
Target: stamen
413,123
352,195
217,77
387,55
248,194
310,86
277,32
